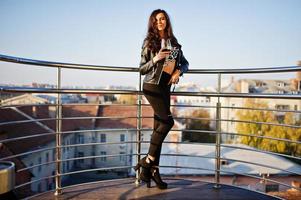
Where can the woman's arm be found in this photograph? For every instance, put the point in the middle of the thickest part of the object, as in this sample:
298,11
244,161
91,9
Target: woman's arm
183,66
146,62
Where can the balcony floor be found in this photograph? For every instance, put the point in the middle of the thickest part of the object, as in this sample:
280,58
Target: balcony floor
184,188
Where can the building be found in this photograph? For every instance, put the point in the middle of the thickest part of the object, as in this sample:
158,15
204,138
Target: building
259,87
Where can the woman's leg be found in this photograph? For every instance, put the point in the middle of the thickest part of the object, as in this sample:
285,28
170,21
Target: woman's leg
159,99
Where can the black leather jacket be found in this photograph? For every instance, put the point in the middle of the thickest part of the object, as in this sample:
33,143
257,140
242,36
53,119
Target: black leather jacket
153,71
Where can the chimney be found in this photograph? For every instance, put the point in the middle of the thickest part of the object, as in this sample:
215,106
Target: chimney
244,88
298,77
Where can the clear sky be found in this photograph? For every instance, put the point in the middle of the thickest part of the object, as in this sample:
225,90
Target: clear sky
214,34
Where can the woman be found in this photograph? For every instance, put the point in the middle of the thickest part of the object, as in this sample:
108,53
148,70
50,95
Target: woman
162,66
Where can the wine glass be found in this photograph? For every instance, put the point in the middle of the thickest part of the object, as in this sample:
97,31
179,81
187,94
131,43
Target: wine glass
165,44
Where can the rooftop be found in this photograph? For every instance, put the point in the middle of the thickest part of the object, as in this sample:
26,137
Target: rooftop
179,188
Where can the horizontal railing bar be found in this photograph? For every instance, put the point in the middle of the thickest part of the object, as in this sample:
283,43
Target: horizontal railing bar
262,151
105,181
37,180
19,60
26,137
265,137
168,142
245,70
26,153
66,132
144,117
39,194
94,91
97,104
262,165
64,104
34,166
65,91
100,156
236,173
183,167
265,123
105,156
113,130
26,61
97,143
233,147
260,178
94,104
65,118
129,142
95,169
262,109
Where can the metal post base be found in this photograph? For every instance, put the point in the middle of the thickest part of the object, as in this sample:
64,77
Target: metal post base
58,192
137,182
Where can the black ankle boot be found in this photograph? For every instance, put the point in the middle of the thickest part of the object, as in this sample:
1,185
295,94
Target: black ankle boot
155,175
142,163
145,174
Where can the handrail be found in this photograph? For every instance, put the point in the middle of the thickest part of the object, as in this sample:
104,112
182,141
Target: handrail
20,60
94,91
59,118
27,61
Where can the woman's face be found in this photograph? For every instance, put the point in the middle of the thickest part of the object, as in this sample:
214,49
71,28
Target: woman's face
161,21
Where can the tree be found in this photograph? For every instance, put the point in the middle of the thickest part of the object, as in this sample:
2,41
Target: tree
127,99
274,131
198,124
254,116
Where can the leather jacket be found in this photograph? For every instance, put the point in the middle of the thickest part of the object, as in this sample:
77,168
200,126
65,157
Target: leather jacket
153,71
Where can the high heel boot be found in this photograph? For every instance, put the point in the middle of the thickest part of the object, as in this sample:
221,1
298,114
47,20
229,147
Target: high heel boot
142,163
145,174
155,176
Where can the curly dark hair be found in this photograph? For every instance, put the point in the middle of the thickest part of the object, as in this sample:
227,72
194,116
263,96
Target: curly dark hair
153,40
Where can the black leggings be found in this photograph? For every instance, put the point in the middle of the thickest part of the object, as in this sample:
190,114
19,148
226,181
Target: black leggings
159,98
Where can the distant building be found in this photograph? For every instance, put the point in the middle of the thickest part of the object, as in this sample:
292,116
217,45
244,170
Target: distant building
98,130
259,87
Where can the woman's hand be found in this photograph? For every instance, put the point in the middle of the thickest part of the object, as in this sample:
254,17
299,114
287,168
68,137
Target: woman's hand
161,55
175,77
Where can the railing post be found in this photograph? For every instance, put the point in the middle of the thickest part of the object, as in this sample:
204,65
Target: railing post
139,125
58,141
218,137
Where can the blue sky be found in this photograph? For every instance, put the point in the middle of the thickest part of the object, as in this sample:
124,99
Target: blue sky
214,34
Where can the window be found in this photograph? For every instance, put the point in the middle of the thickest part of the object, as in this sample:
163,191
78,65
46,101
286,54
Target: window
47,157
282,107
49,186
39,187
224,162
296,107
80,139
53,154
40,161
31,164
232,120
102,137
122,157
103,159
80,154
280,91
122,137
34,111
280,84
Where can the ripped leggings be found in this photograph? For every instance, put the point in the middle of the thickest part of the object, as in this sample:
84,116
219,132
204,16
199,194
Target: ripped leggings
159,98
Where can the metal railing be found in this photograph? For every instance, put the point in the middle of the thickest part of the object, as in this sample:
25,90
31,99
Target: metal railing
218,132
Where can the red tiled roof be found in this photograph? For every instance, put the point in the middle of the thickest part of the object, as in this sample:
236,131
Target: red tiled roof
124,111
27,129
